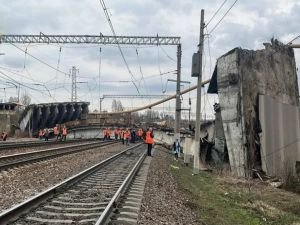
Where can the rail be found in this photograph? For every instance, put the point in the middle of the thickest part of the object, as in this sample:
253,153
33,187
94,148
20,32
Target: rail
23,208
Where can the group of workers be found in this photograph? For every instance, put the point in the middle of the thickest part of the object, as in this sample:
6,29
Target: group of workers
130,135
60,132
125,135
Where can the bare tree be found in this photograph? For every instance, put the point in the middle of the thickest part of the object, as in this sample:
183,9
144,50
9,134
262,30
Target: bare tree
114,105
25,99
117,106
13,99
120,107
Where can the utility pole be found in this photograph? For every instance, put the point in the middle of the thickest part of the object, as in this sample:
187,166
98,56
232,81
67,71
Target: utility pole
178,101
74,84
197,149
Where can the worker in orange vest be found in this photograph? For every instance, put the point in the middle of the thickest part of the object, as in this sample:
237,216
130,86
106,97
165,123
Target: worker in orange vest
127,136
108,133
122,134
149,141
56,131
105,133
116,133
119,133
64,133
41,134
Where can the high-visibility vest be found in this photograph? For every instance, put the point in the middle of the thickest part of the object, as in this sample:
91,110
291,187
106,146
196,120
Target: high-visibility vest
65,131
127,134
149,139
55,129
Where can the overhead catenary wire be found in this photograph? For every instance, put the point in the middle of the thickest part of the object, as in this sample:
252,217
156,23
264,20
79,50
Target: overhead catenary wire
215,13
295,38
142,80
217,24
57,68
41,61
165,52
159,69
119,47
99,75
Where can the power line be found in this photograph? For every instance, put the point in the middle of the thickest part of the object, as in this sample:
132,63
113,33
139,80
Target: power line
41,61
165,52
159,69
119,47
99,74
57,68
290,42
141,71
216,13
223,17
208,45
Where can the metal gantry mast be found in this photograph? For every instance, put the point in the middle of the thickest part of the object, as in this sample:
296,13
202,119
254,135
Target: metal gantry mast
106,40
74,84
89,39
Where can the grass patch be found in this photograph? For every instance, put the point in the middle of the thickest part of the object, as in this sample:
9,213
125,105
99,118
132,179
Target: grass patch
228,201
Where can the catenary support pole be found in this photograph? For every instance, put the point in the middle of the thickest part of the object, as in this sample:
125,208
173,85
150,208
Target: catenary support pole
178,101
197,145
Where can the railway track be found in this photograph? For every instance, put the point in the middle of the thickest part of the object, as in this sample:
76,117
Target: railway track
29,157
27,144
86,198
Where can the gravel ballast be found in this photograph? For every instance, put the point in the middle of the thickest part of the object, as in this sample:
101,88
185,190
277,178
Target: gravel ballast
20,183
12,151
163,203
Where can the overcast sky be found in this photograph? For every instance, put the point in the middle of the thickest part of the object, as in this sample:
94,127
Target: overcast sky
247,25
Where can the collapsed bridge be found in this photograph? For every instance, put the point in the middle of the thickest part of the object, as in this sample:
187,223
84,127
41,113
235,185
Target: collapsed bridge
40,116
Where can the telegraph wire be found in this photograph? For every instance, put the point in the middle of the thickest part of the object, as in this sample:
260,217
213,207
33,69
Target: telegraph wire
215,13
119,47
222,17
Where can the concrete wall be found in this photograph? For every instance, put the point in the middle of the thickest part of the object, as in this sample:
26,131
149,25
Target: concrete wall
229,91
7,120
271,72
240,76
85,133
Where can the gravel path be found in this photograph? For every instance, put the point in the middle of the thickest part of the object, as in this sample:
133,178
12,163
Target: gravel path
4,152
20,183
163,203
